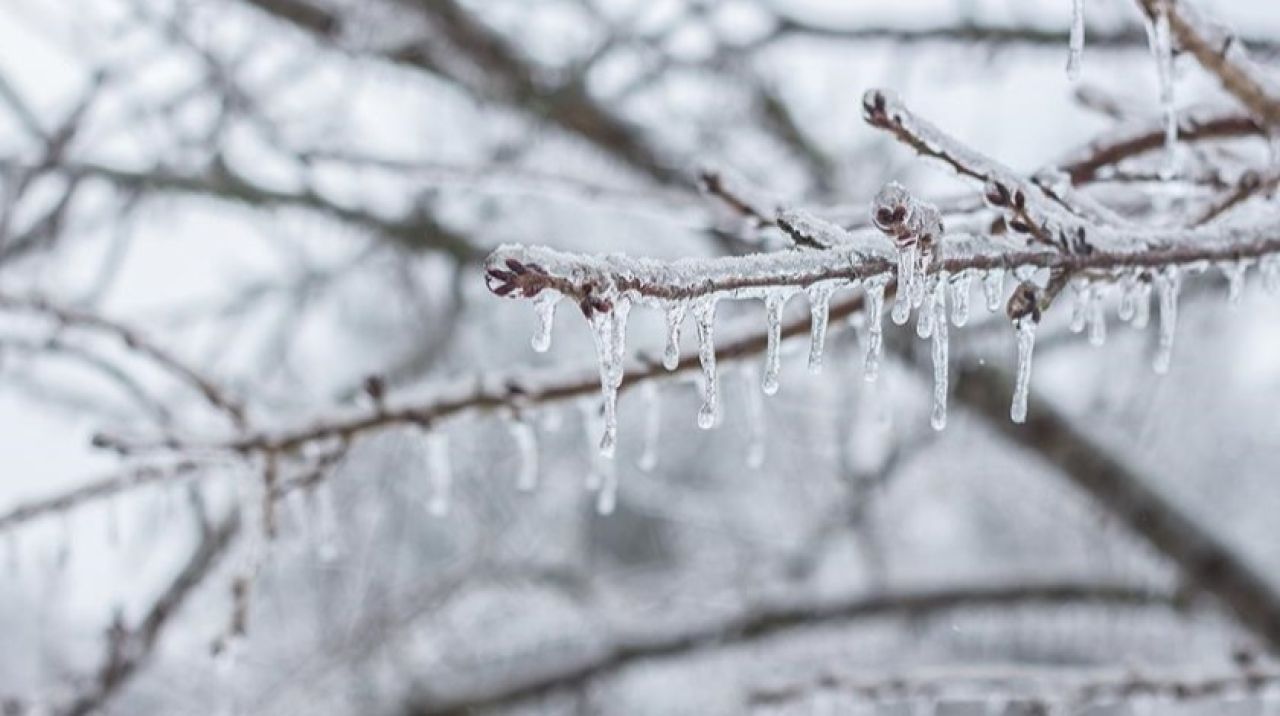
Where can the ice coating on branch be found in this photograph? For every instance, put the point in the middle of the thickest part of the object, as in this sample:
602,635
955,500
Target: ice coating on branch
874,306
1161,41
440,472
1077,40
819,310
526,441
960,286
652,426
1235,271
675,318
704,314
544,305
756,431
774,302
609,329
808,230
993,288
1026,333
1097,317
1168,283
937,305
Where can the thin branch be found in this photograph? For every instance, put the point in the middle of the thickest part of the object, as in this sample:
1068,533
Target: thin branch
770,621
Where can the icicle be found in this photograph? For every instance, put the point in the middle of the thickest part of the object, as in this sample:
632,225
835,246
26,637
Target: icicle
932,294
819,308
607,496
1158,35
1168,282
906,278
1235,273
609,329
440,471
874,306
993,288
1097,317
1077,40
545,307
1128,296
704,313
675,317
652,426
960,286
918,290
1269,267
774,304
755,422
1080,292
526,441
1026,328
1142,309
941,349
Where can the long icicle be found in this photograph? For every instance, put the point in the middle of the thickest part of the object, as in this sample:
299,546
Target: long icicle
941,352
1168,283
1026,330
704,313
1076,50
774,304
819,310
874,304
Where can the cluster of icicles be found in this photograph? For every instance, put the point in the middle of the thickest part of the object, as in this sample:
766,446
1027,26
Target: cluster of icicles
928,294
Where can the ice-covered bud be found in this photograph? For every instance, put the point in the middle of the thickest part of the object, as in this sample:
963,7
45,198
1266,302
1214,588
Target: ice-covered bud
515,279
877,105
1024,302
890,209
997,194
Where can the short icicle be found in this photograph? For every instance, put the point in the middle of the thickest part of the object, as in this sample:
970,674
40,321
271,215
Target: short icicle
1097,318
1076,49
941,352
819,310
874,306
1026,330
704,314
1160,39
675,318
544,306
993,288
1235,272
1142,305
440,471
1168,283
906,279
652,426
773,304
960,288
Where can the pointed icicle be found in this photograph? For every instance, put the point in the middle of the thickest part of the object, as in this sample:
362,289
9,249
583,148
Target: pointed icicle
1168,283
1142,306
874,303
819,309
1097,317
941,352
993,288
1235,272
607,496
1161,42
906,278
609,329
440,472
1128,296
1269,268
526,440
773,304
675,317
755,422
924,318
652,426
960,288
545,306
1080,292
1076,50
1026,328
704,314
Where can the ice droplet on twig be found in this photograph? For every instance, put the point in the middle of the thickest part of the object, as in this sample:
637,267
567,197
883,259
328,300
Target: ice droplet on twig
675,317
440,472
544,305
960,286
1076,49
1026,331
755,421
906,278
819,309
926,314
938,304
993,288
773,303
704,314
874,306
526,440
652,426
1168,282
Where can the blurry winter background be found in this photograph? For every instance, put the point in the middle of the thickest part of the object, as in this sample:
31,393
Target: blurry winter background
288,196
